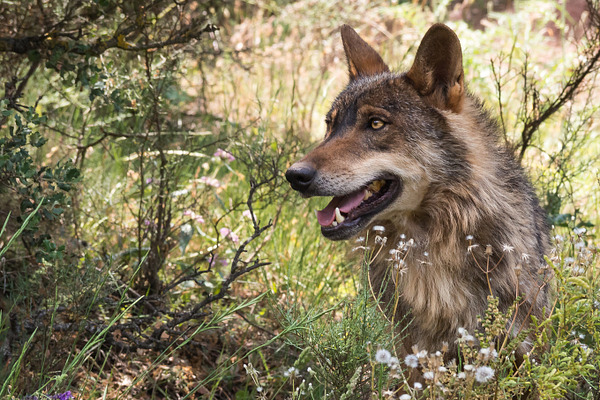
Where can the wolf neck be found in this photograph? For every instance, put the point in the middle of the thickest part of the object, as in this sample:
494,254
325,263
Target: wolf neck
439,266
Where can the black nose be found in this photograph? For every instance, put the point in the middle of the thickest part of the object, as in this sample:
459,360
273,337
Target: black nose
300,177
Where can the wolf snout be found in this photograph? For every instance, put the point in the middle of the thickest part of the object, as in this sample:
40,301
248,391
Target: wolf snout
300,176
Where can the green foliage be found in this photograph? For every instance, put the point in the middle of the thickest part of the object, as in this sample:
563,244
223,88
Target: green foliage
344,346
31,185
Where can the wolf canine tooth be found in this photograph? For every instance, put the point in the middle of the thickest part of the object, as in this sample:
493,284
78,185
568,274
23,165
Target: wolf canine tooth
368,194
334,223
338,216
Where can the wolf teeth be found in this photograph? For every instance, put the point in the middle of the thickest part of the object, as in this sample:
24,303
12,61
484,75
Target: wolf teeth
338,216
334,223
368,194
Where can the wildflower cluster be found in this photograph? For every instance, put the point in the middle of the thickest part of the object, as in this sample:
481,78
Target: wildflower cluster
573,252
224,155
475,368
392,366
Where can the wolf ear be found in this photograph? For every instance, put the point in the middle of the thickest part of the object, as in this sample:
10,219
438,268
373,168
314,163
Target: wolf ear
437,72
363,60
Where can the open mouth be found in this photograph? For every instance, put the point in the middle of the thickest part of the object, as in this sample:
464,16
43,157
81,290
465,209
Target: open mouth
346,215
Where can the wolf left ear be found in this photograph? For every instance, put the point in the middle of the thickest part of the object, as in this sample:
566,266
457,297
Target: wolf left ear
437,72
363,60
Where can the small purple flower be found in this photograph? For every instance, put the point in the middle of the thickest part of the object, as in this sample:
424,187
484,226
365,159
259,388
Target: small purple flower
147,222
217,259
197,217
247,214
64,396
149,181
224,232
61,396
228,233
220,153
210,181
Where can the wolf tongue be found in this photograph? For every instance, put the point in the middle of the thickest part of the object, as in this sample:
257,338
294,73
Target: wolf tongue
345,203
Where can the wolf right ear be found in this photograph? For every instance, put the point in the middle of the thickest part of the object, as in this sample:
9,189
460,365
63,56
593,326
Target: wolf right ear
363,60
437,72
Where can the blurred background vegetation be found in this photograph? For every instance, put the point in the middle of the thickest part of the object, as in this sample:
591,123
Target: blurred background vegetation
149,245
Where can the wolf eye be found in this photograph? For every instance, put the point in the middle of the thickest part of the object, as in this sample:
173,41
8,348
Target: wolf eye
377,123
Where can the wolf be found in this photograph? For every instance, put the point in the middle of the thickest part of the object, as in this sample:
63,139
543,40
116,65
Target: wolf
415,162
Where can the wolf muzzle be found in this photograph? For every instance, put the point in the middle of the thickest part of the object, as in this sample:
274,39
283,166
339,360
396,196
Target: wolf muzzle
301,176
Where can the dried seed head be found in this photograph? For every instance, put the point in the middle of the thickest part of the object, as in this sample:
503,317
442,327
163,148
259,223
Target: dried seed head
488,250
518,269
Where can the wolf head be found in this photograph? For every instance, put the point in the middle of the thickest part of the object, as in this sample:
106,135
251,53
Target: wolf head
388,139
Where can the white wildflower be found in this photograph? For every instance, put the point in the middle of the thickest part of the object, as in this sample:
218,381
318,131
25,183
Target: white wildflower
259,389
250,370
579,231
383,356
426,254
378,228
469,237
292,371
402,236
360,239
577,269
468,367
569,260
525,257
380,240
394,362
418,386
442,369
484,374
187,229
507,248
429,375
411,361
405,397
472,247
461,375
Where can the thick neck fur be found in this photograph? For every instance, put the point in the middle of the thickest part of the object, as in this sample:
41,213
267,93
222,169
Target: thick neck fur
445,276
